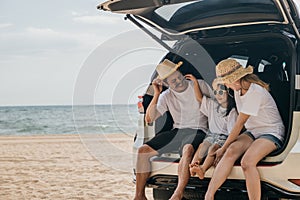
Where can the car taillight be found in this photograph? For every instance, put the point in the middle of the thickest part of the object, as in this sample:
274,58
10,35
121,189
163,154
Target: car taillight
295,181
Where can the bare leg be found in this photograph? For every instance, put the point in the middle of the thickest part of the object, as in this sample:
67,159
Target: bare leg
199,155
143,169
183,171
224,167
209,160
257,151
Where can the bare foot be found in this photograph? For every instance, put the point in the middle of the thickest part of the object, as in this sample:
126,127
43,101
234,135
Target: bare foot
197,170
200,173
192,166
193,170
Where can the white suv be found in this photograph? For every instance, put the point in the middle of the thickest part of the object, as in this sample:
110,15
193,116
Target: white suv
263,33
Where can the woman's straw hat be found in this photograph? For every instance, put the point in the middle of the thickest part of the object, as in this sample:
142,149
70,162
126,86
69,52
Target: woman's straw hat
166,68
230,70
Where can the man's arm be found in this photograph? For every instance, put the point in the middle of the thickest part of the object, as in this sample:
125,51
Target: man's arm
152,113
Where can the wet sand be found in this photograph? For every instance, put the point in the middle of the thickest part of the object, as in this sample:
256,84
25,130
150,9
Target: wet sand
64,167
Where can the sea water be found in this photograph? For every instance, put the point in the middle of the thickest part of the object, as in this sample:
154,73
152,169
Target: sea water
43,120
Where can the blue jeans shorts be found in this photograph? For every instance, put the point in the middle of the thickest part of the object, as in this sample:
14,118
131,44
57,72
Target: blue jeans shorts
270,137
214,138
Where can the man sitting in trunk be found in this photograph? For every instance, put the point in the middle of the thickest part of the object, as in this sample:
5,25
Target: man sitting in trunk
189,128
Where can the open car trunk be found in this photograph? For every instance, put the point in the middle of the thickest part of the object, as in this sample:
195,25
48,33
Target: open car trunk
269,53
177,17
261,33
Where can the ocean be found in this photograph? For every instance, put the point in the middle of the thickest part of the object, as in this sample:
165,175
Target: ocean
44,120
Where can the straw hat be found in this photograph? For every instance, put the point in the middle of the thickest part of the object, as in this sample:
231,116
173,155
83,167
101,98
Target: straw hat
166,68
230,70
216,82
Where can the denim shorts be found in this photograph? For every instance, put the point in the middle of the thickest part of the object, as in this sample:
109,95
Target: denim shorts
270,137
214,138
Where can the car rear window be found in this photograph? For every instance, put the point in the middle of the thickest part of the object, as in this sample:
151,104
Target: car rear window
192,14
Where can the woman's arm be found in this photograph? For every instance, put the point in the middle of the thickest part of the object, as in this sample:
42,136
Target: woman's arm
235,132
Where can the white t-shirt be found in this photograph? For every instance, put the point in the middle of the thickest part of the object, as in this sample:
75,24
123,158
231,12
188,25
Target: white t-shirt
184,107
218,122
264,115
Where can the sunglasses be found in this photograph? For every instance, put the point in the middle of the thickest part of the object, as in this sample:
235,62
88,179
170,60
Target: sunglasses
222,90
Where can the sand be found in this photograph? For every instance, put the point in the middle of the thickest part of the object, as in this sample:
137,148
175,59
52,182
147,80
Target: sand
66,167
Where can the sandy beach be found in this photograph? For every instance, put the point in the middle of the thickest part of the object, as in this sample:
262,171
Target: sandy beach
64,167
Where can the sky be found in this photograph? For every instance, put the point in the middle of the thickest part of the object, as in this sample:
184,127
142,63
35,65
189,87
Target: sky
47,47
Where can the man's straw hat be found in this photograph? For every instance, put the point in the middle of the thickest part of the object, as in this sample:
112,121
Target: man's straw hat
166,68
230,70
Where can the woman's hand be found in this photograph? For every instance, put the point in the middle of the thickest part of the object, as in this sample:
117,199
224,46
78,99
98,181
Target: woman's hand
218,155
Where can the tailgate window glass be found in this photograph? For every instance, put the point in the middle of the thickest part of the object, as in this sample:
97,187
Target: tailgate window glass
166,12
205,13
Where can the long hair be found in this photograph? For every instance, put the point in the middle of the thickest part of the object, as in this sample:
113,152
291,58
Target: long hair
253,78
230,101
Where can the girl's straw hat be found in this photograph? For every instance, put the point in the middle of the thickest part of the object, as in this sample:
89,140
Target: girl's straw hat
230,70
166,68
216,82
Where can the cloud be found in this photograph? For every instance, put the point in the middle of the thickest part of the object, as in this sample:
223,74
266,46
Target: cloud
34,40
44,33
97,19
6,25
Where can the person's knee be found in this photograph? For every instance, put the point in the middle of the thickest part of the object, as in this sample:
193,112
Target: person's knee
247,163
188,150
145,149
232,152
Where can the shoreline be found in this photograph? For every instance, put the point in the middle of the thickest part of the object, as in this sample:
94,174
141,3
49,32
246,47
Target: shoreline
62,167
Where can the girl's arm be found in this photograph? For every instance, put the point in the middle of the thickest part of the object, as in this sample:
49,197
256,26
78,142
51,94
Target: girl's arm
197,89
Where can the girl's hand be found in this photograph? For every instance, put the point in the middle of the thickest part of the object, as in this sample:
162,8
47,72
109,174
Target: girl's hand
157,85
190,77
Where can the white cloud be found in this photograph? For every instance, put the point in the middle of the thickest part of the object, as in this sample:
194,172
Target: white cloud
44,32
80,38
34,40
6,25
74,13
97,19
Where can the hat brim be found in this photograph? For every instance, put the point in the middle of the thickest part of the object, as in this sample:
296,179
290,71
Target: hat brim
216,82
171,71
236,75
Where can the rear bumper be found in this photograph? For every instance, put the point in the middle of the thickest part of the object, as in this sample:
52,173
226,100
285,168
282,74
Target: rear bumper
231,187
